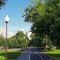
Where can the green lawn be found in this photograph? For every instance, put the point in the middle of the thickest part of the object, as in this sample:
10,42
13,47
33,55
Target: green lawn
55,53
12,54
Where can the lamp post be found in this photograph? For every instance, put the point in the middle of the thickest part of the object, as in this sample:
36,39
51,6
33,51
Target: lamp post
6,21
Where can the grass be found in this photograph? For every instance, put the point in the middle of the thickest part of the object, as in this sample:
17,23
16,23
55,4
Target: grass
12,54
55,53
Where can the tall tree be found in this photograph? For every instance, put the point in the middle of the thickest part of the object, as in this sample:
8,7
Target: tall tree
18,40
45,18
22,39
2,3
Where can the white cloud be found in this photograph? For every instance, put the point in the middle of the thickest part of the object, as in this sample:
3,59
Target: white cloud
29,33
3,32
15,29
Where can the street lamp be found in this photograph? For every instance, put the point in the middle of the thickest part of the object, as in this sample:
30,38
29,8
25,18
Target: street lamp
6,21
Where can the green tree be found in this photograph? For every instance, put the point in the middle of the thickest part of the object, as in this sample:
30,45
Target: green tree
35,40
22,39
18,40
45,18
54,20
1,41
11,42
2,3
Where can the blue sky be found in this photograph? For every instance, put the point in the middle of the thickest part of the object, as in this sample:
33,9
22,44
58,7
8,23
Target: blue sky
15,13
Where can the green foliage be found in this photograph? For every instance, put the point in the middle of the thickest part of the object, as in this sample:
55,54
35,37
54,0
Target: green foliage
1,40
35,40
19,40
22,38
2,3
45,18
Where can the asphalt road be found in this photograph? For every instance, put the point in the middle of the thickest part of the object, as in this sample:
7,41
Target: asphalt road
34,54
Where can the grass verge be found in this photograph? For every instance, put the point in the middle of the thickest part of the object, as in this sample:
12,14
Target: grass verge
55,53
12,54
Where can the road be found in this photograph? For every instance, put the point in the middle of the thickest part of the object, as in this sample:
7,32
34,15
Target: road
34,54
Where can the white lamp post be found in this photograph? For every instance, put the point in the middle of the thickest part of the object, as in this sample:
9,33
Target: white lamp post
6,21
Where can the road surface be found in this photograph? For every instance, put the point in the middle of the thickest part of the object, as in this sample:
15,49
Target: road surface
34,54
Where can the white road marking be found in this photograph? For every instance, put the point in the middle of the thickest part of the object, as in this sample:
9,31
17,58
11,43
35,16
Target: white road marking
41,57
29,53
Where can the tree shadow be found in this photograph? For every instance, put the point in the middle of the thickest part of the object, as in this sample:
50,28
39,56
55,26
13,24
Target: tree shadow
55,56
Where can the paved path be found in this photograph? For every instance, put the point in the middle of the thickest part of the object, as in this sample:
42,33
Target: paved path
34,54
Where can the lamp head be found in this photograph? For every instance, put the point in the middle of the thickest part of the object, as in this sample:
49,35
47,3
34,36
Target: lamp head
6,19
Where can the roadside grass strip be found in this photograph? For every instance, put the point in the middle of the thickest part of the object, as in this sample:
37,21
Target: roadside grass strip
12,54
55,53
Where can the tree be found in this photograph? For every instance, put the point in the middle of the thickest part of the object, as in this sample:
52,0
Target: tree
45,18
18,40
53,15
22,39
2,3
12,42
1,40
35,40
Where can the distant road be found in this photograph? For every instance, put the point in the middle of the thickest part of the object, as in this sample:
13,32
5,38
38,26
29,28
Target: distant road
33,53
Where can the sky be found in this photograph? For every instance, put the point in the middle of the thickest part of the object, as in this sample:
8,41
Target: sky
15,12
